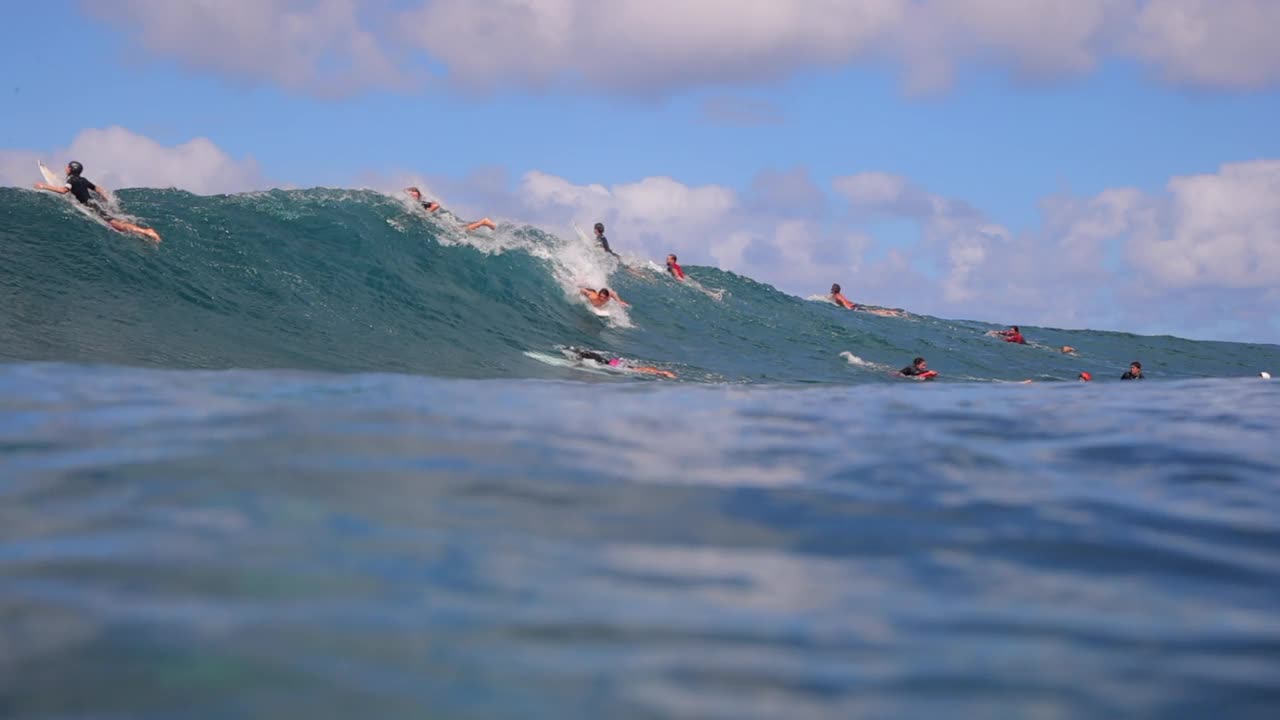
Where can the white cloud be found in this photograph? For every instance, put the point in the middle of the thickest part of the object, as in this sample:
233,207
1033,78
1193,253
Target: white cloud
1211,43
950,228
1221,230
659,47
318,46
118,158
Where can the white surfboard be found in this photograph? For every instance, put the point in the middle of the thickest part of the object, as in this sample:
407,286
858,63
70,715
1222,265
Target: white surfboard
50,177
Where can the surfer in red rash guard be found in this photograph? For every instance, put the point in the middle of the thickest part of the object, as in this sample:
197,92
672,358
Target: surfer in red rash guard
1013,335
674,268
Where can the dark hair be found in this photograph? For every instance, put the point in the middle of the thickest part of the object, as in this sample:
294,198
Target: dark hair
413,190
600,227
835,287
917,361
1136,364
1015,329
604,291
674,258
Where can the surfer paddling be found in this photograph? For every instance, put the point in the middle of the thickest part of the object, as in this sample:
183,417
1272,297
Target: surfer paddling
604,241
600,298
620,363
918,370
431,206
80,187
838,298
674,268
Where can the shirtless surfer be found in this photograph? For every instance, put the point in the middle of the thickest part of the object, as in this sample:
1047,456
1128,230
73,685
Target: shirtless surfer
432,206
838,298
600,298
79,186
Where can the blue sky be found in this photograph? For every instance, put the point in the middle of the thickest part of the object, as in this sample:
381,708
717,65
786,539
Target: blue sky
1024,112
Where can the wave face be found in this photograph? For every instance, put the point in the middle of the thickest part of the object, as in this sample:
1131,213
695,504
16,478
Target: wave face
358,281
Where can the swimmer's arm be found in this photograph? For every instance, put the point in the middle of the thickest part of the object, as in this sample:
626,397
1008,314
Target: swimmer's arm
52,188
621,302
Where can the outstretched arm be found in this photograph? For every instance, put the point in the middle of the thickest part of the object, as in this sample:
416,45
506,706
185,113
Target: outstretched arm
52,188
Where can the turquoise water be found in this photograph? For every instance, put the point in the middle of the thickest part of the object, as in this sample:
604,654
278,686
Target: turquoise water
355,281
315,456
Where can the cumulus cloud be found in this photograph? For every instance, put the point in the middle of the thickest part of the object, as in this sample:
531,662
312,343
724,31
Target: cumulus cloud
660,47
1210,43
951,229
118,158
1220,230
325,47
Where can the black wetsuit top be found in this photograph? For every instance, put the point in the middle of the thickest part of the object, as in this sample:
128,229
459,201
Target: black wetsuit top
592,355
81,188
1130,376
911,371
604,243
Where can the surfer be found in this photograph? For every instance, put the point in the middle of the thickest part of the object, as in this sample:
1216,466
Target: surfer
604,241
432,206
79,186
601,297
620,363
1068,350
838,297
1085,376
1012,335
918,369
1135,372
673,267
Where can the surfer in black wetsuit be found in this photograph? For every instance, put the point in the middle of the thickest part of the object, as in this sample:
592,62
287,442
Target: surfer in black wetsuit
80,187
432,206
619,363
1135,372
604,241
917,368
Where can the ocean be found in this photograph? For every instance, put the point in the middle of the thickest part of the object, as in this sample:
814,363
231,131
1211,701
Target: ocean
317,455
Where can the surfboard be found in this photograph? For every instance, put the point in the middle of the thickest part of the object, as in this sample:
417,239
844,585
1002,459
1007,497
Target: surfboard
50,177
582,234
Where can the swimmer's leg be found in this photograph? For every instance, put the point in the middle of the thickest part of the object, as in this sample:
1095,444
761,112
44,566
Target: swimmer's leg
123,226
482,223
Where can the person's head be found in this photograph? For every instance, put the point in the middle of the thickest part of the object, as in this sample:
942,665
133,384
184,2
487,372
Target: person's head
835,288
74,169
604,292
414,192
1085,376
919,362
1135,367
599,228
1015,329
671,259
1068,349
